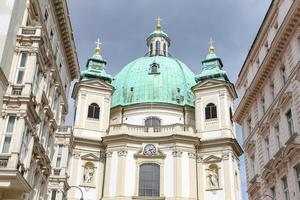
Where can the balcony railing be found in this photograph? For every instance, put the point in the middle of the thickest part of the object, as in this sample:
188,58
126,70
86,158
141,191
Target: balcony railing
64,129
138,129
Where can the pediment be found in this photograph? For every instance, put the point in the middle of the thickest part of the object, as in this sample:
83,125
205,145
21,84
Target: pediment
286,97
90,156
92,83
213,83
209,83
274,114
212,159
97,83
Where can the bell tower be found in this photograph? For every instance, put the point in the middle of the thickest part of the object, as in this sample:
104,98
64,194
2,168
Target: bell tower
92,94
219,153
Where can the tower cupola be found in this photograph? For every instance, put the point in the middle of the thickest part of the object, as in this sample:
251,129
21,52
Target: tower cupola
95,67
158,41
212,66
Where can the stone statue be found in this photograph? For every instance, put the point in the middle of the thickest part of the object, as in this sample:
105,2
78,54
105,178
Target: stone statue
213,179
88,174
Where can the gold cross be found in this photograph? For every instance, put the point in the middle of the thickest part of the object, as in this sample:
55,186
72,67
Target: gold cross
210,46
98,46
159,19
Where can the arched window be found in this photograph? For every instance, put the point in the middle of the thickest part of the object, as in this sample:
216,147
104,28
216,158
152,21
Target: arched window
149,182
94,111
151,48
210,111
157,48
152,121
165,49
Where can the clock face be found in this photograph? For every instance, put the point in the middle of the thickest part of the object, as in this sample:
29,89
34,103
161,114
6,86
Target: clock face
149,149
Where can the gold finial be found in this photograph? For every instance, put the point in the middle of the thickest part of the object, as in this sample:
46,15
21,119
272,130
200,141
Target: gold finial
158,25
211,48
97,50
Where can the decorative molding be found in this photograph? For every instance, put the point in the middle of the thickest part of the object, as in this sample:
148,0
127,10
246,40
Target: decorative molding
122,152
177,153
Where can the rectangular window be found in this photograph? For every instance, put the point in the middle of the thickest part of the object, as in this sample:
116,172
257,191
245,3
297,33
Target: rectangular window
8,134
60,148
25,143
21,68
272,90
262,102
289,119
249,125
285,188
252,159
53,195
297,171
36,79
267,145
277,135
58,161
283,74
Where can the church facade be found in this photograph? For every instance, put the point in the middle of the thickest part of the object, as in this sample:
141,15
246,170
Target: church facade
155,130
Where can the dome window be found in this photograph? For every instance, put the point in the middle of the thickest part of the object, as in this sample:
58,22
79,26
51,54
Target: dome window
157,48
153,122
94,111
165,49
210,111
154,68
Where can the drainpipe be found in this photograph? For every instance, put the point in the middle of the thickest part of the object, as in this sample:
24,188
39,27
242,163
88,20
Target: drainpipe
104,172
197,178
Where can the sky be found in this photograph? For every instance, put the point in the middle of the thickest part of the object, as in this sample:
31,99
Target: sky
123,26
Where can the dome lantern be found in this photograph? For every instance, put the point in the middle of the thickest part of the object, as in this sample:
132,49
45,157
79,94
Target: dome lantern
158,41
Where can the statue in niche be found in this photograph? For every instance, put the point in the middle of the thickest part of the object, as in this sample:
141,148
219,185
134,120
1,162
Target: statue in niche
88,173
213,176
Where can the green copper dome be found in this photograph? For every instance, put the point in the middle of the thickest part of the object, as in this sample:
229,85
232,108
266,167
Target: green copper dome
156,79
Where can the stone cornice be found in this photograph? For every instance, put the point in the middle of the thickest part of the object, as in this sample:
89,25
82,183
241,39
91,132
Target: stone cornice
65,29
278,46
137,139
238,151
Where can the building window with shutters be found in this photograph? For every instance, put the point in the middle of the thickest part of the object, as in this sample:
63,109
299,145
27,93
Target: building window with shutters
21,68
210,111
8,134
149,180
93,111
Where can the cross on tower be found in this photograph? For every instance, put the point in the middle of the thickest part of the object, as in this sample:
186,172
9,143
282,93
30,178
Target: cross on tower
210,46
159,19
98,46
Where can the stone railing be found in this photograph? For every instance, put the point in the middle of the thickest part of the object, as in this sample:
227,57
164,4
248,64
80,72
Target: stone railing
64,129
140,130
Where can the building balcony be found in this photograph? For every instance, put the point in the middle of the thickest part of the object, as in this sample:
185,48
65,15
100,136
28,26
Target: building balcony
140,130
28,34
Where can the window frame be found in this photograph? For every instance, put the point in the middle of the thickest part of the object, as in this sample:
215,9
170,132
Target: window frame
21,68
211,111
297,176
8,134
155,181
95,108
290,123
285,188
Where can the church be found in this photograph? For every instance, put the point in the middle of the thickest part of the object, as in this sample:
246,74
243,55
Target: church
155,130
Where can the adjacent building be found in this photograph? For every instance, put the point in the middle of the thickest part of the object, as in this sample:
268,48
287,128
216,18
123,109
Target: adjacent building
155,130
38,61
269,110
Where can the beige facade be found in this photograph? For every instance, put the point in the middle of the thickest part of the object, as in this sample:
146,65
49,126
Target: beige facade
268,112
38,63
109,152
